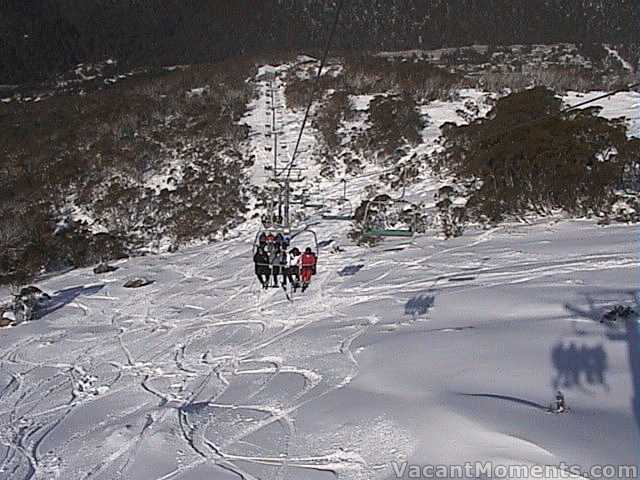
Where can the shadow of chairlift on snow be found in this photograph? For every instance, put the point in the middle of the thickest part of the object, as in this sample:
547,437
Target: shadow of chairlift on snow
325,243
419,306
350,270
64,297
579,367
627,329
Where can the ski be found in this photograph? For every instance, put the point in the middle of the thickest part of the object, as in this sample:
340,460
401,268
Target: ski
286,293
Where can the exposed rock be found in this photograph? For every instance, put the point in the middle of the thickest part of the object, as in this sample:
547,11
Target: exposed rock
104,268
5,322
7,317
138,282
28,302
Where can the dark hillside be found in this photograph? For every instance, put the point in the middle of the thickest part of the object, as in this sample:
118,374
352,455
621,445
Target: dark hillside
39,38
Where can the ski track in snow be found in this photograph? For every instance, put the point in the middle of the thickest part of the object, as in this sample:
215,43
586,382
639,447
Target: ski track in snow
188,363
205,375
220,370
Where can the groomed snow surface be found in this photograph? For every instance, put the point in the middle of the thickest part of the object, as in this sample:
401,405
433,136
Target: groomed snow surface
422,351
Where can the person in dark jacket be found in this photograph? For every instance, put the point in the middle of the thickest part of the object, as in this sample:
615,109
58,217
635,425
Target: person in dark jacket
274,260
279,241
262,240
282,263
262,267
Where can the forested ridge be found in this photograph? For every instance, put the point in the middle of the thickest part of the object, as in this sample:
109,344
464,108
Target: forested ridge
39,38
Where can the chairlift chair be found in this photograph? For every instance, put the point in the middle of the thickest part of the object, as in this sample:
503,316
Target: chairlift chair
296,239
339,209
307,204
379,227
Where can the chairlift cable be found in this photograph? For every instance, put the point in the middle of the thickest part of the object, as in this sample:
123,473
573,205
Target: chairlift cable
317,84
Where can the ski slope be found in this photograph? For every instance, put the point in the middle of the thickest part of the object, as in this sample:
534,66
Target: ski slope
429,352
422,351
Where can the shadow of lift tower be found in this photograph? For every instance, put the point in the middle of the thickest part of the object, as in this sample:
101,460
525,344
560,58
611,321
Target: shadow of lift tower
632,335
629,333
633,338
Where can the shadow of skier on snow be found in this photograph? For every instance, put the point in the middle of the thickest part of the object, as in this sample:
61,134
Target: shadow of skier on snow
507,398
575,364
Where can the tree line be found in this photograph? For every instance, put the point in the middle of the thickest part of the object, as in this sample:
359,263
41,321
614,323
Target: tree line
39,38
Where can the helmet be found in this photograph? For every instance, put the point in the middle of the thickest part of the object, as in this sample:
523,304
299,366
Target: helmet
307,250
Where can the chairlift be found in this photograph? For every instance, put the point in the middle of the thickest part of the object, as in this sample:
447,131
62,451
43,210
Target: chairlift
272,218
301,239
339,209
296,238
379,222
308,204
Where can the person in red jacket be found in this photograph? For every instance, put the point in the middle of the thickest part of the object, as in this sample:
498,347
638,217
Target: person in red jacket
308,262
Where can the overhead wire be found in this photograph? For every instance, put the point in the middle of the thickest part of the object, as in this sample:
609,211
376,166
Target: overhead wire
316,86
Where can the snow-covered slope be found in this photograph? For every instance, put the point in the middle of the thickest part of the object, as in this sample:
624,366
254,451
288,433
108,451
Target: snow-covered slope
422,351
430,352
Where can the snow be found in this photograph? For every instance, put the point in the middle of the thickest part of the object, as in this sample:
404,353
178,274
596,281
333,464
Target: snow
301,59
361,102
416,351
432,352
614,53
197,92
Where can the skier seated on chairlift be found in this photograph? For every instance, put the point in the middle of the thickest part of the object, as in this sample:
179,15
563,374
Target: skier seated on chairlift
284,265
275,256
293,272
308,263
265,240
262,267
262,240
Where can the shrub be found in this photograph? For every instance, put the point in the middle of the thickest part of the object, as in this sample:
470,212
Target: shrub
334,110
98,151
528,155
395,121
